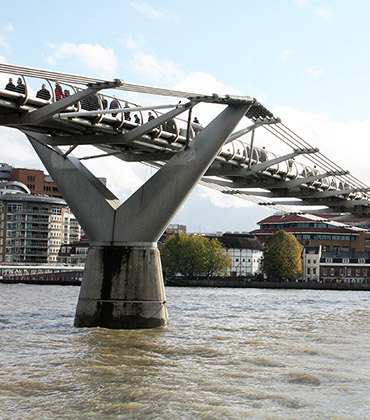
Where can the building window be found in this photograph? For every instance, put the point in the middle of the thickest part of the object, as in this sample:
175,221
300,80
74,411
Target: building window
357,272
308,261
308,270
365,272
349,272
332,271
314,271
325,271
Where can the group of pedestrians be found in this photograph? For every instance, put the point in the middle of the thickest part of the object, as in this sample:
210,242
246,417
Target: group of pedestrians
20,88
92,103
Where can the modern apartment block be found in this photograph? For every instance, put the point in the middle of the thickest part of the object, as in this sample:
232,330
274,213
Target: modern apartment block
33,227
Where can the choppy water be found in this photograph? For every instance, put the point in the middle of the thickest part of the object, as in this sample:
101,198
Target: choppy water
227,354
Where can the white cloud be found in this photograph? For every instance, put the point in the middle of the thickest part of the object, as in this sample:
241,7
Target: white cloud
301,3
94,57
2,59
314,72
132,43
324,14
287,53
155,13
149,65
4,43
344,143
10,27
224,201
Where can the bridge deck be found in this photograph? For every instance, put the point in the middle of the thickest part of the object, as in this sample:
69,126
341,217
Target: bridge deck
239,166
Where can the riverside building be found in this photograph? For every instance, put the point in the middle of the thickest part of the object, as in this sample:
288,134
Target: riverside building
32,227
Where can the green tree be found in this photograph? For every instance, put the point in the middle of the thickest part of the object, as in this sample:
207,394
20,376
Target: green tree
282,256
194,256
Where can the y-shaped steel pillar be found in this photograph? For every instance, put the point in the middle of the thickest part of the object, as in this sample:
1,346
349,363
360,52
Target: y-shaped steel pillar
122,285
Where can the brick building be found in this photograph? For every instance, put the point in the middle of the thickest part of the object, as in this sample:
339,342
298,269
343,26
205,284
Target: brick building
312,232
36,180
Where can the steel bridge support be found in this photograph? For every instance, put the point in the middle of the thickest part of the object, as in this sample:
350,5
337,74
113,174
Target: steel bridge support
122,284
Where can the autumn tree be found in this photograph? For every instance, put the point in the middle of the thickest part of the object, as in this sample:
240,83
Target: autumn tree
282,256
194,256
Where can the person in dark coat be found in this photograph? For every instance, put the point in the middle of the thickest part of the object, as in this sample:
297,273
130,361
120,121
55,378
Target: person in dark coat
20,88
10,85
127,114
137,119
43,93
150,116
114,105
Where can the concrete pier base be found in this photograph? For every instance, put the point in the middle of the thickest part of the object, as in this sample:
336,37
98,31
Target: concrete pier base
122,288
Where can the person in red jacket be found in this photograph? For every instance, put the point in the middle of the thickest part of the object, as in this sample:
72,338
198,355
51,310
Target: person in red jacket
58,91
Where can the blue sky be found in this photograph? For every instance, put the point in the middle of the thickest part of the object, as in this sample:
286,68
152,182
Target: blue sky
307,60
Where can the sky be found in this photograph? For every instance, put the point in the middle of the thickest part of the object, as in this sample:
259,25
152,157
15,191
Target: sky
305,60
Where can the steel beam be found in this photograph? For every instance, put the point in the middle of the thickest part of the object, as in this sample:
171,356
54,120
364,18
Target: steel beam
258,167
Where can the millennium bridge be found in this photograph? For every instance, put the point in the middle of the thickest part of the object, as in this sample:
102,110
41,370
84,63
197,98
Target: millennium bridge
122,283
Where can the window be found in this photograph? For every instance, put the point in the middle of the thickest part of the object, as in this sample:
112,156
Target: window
308,261
308,270
357,272
314,271
349,272
325,271
365,272
332,271
361,260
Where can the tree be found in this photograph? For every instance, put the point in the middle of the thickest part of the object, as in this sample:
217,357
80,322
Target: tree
194,256
282,256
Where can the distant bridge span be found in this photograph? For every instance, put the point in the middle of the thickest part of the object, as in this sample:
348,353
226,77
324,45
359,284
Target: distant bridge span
123,284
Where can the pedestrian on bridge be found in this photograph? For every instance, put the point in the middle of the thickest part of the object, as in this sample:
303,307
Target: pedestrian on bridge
43,93
10,85
58,91
114,105
20,88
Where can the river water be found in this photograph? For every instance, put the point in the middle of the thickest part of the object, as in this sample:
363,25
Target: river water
227,354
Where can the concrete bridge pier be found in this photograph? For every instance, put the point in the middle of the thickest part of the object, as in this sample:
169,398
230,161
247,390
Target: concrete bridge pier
122,285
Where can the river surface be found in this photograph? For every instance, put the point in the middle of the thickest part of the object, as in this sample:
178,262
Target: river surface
227,354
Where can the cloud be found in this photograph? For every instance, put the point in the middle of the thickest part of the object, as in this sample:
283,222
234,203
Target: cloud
10,27
4,43
155,13
287,53
324,14
132,43
344,143
148,65
94,57
314,72
224,201
300,3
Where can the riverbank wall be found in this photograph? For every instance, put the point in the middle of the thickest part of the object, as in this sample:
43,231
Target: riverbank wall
237,282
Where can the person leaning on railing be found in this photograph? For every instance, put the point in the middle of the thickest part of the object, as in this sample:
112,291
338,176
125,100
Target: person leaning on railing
20,88
10,85
43,93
